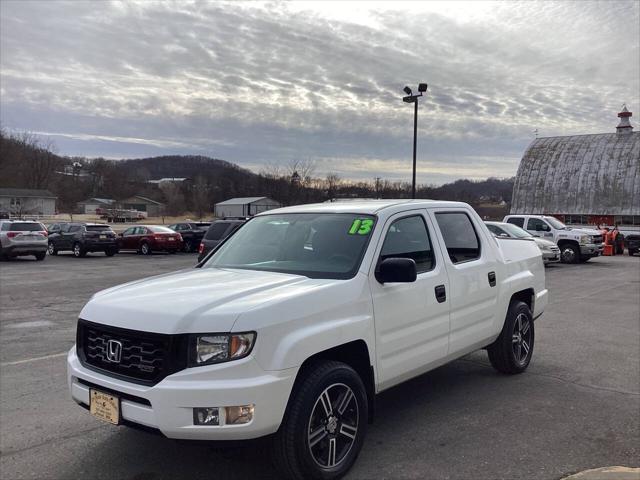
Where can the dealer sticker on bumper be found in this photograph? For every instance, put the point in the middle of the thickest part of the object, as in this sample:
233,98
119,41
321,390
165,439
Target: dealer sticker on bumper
104,406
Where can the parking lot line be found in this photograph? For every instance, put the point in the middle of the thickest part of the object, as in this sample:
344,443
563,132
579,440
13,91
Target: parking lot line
34,359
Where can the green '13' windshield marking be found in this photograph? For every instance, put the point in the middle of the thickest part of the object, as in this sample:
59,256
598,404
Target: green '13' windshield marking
361,226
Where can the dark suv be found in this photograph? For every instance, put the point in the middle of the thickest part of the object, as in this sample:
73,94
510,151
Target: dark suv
82,238
632,242
191,233
218,231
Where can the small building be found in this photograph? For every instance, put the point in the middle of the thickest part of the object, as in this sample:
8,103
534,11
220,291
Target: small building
245,206
24,201
90,205
143,204
582,179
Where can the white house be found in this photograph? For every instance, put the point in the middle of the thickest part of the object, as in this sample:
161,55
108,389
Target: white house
24,201
90,205
245,206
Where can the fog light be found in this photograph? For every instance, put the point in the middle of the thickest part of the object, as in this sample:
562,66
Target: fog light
206,416
239,415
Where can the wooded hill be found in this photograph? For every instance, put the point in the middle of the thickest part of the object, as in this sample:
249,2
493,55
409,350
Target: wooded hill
27,162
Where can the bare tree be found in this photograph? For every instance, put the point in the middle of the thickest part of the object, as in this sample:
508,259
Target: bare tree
174,198
200,196
332,181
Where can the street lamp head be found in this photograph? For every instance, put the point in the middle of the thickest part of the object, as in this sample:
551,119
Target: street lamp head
407,90
422,87
410,99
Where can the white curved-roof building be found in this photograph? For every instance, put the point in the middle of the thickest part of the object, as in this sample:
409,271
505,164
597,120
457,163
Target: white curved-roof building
582,178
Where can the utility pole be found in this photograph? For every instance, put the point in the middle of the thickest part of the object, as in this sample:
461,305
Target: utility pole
422,87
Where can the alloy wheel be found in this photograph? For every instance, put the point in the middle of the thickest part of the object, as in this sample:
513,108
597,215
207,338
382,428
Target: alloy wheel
333,425
521,338
568,255
51,249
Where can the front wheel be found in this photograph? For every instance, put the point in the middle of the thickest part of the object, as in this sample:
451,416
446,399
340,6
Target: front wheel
110,252
569,253
325,423
40,256
188,246
513,349
632,252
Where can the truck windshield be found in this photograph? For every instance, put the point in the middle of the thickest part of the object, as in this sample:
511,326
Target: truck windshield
555,223
316,245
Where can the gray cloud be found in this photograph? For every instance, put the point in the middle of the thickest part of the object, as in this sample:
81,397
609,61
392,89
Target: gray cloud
255,83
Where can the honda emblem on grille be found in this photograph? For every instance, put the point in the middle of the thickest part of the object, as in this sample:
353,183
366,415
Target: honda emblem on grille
114,351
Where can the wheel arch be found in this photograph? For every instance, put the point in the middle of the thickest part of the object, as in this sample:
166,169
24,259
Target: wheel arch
527,296
356,355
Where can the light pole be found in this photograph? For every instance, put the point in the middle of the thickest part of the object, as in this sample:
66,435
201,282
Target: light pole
422,87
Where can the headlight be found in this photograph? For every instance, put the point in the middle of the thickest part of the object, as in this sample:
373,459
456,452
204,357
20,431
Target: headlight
210,348
584,239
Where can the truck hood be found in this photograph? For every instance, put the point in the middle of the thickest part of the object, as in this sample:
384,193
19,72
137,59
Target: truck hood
191,301
584,231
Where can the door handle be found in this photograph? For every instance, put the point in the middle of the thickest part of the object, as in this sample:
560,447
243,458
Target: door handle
492,279
441,293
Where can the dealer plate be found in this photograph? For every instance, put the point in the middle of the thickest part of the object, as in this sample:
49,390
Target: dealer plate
104,406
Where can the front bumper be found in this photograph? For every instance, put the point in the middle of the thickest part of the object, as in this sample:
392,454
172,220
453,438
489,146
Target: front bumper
550,256
591,249
172,400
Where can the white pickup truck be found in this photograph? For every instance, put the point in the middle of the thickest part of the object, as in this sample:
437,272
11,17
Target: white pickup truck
575,244
293,324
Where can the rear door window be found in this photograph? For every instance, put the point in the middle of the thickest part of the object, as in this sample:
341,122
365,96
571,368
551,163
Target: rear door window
460,237
519,221
216,231
73,228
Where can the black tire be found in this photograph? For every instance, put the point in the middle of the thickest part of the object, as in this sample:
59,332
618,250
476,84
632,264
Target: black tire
187,247
585,259
293,455
145,249
110,252
51,249
40,256
632,252
569,253
513,349
78,251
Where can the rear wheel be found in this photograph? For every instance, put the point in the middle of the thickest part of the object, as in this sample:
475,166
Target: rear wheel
78,251
569,253
145,249
513,349
632,252
325,423
40,256
110,252
52,249
188,246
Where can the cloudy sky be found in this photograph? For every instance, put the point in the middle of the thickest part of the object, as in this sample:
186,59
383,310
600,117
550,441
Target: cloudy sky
267,82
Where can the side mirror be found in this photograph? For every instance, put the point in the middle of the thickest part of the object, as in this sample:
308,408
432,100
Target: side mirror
506,235
397,270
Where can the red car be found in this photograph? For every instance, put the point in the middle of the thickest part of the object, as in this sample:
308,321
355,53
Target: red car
150,238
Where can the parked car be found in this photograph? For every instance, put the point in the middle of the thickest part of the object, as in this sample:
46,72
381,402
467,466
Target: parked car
299,319
576,244
20,238
146,239
550,251
217,232
632,241
82,238
191,232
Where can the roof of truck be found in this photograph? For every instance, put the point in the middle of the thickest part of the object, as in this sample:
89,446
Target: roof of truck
370,207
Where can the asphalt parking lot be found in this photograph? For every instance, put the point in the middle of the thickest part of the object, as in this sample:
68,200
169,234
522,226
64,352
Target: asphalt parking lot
577,407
